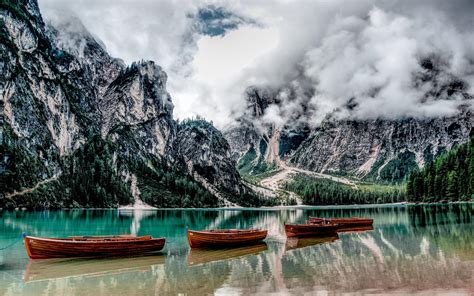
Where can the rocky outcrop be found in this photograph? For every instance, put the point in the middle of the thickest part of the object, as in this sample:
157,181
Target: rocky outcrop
248,133
205,154
90,125
259,145
137,100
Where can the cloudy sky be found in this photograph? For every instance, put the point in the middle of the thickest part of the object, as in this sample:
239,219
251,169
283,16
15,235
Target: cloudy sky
321,56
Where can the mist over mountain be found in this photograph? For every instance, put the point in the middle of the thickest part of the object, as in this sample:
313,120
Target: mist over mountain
321,55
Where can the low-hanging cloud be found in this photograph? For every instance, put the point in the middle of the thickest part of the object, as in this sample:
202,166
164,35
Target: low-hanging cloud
374,62
351,59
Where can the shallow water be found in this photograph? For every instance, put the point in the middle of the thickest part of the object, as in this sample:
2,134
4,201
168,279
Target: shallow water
425,249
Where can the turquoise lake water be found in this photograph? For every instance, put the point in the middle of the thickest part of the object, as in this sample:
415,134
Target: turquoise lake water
425,249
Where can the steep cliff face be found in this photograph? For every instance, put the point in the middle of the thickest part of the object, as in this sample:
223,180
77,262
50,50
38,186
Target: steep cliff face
137,100
248,133
80,128
206,154
69,35
39,124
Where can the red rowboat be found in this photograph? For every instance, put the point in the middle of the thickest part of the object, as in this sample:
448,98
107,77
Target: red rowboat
225,237
85,246
299,230
343,222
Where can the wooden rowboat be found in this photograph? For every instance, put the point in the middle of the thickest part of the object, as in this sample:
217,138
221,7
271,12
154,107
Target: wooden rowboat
91,237
300,230
343,222
225,238
83,246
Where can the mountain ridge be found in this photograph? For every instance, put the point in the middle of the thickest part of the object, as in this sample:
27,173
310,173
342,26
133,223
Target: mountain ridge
380,150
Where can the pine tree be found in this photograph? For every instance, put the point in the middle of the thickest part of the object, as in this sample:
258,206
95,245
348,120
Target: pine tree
411,186
452,190
470,178
449,176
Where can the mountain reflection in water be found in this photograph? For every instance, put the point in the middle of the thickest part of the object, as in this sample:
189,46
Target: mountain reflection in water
410,249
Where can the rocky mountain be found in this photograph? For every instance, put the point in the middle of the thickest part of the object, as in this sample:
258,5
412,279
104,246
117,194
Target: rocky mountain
368,149
383,150
206,155
80,128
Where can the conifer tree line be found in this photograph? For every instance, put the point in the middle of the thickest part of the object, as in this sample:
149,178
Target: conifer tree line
449,177
316,191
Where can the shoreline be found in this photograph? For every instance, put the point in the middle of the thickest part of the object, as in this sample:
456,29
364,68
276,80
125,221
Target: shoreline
274,208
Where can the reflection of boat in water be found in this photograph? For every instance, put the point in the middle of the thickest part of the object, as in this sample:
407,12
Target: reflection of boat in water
201,256
297,243
38,270
225,237
89,246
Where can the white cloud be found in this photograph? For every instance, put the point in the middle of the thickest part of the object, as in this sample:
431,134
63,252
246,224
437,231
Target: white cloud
323,52
216,86
374,61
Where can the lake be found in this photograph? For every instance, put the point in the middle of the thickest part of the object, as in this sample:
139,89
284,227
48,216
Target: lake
426,249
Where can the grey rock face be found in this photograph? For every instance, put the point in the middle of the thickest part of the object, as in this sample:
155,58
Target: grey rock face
98,67
138,99
380,149
248,132
242,137
205,153
38,123
261,142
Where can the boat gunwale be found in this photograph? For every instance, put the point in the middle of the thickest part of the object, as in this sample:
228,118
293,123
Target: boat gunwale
223,231
72,241
341,219
329,225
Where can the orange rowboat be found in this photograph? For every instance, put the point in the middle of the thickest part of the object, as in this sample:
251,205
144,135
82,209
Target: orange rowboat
300,230
343,222
225,238
83,246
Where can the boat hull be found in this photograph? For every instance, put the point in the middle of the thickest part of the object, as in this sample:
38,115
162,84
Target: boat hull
225,238
343,222
305,230
43,248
